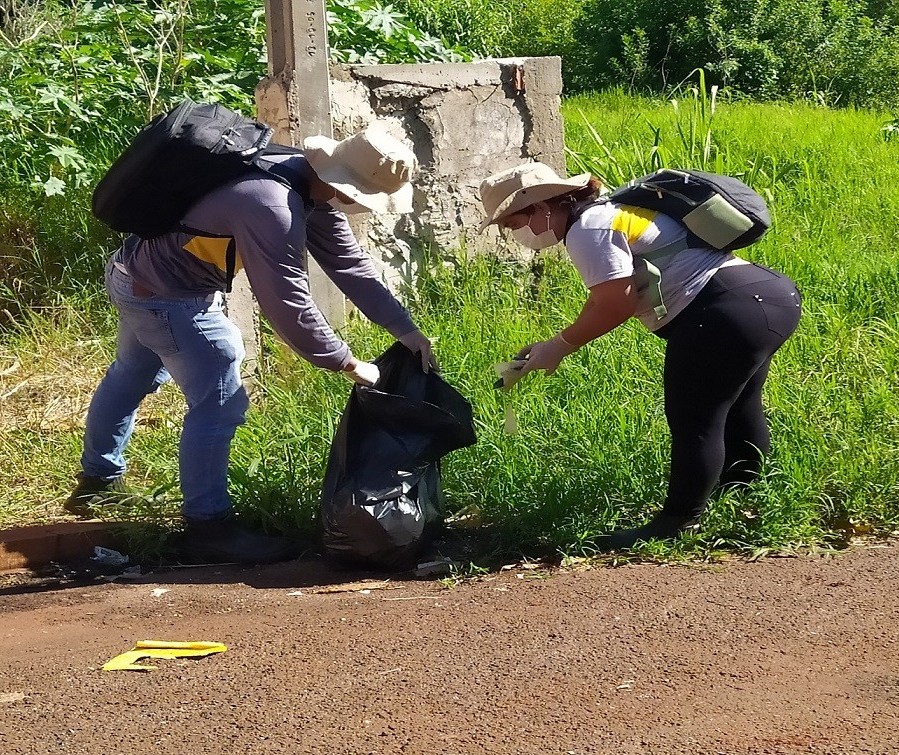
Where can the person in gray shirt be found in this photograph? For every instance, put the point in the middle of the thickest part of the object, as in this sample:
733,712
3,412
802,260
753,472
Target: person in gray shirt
168,292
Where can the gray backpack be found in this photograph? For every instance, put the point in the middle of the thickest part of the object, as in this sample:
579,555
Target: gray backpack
719,212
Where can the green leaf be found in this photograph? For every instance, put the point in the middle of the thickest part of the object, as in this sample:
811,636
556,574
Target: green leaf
68,157
385,19
53,186
10,107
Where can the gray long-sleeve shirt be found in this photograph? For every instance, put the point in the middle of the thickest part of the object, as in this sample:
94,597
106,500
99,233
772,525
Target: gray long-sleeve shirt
271,226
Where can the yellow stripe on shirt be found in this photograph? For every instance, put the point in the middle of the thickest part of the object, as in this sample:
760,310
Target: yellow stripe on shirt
211,249
633,221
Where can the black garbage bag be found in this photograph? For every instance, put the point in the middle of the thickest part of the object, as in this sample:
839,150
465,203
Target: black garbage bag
381,501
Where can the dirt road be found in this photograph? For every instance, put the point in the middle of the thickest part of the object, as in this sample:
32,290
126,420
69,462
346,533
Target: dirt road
779,656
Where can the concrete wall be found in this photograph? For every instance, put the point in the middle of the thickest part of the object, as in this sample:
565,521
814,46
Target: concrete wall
464,121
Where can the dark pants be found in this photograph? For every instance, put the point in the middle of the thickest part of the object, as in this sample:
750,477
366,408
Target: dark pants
717,357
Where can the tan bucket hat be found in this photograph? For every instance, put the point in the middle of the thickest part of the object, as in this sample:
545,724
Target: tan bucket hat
512,190
373,167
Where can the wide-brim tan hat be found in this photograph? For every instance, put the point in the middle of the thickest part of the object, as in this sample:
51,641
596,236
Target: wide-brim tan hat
373,167
515,189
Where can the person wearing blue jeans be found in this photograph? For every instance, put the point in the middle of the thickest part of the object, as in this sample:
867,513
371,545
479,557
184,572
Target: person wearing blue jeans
173,323
193,342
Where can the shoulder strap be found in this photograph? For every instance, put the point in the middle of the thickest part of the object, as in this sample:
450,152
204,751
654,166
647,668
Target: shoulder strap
644,263
581,208
281,173
654,275
277,171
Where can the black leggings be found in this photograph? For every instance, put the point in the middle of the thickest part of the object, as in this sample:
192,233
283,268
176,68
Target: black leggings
717,357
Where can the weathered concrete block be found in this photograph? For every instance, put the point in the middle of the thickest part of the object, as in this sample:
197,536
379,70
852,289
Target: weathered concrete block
464,121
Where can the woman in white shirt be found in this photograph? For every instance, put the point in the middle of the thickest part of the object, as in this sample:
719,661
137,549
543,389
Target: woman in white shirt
722,319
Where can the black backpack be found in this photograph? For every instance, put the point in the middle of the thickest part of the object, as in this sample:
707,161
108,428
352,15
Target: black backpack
718,211
175,160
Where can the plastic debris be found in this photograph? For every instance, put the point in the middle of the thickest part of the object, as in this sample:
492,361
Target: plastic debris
158,592
438,568
509,374
467,518
108,557
510,421
161,649
132,572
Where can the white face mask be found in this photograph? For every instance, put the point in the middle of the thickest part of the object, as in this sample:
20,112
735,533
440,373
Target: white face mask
353,208
536,241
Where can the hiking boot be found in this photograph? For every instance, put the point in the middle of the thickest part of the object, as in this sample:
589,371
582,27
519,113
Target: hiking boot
218,541
93,493
661,527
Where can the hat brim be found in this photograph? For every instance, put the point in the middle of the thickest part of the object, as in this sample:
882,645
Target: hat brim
523,198
319,152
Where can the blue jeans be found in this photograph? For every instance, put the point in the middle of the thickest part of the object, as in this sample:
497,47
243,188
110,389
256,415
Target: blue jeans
194,343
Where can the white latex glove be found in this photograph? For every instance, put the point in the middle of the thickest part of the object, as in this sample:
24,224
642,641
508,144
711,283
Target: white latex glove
362,373
545,355
418,343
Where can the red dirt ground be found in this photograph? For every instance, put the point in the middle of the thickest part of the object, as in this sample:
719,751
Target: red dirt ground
780,656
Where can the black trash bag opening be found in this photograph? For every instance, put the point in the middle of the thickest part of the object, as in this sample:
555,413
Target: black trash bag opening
381,501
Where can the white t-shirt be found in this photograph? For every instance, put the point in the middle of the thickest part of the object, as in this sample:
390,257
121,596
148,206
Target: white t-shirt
602,243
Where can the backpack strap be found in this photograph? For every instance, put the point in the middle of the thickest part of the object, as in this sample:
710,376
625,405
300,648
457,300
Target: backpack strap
280,172
654,275
275,170
580,209
648,259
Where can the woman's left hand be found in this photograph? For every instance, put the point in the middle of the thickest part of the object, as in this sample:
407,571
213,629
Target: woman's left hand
545,355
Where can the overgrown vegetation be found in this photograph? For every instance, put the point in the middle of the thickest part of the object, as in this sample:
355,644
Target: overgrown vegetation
592,449
843,52
76,80
500,29
835,53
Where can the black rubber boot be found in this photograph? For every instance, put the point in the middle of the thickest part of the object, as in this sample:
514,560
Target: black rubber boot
93,493
220,541
661,527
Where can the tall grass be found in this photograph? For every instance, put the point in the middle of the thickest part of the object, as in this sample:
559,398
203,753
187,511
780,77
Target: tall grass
592,449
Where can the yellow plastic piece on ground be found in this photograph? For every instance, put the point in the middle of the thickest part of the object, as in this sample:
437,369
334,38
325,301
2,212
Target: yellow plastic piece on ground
161,649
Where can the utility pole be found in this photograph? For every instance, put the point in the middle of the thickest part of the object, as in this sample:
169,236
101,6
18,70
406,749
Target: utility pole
295,98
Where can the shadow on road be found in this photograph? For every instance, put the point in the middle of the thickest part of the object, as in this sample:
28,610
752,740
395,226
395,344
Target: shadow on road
454,554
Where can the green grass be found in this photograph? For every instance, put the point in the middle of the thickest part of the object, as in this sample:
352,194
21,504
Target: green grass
592,448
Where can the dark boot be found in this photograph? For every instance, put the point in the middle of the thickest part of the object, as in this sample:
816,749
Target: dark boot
661,527
211,541
93,493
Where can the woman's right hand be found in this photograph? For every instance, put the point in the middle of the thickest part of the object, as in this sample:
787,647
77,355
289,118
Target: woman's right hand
545,355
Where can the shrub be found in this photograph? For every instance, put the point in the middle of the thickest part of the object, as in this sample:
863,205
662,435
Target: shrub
77,79
832,52
499,29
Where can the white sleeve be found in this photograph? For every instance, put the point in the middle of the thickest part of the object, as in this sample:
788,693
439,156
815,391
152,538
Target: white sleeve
599,254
